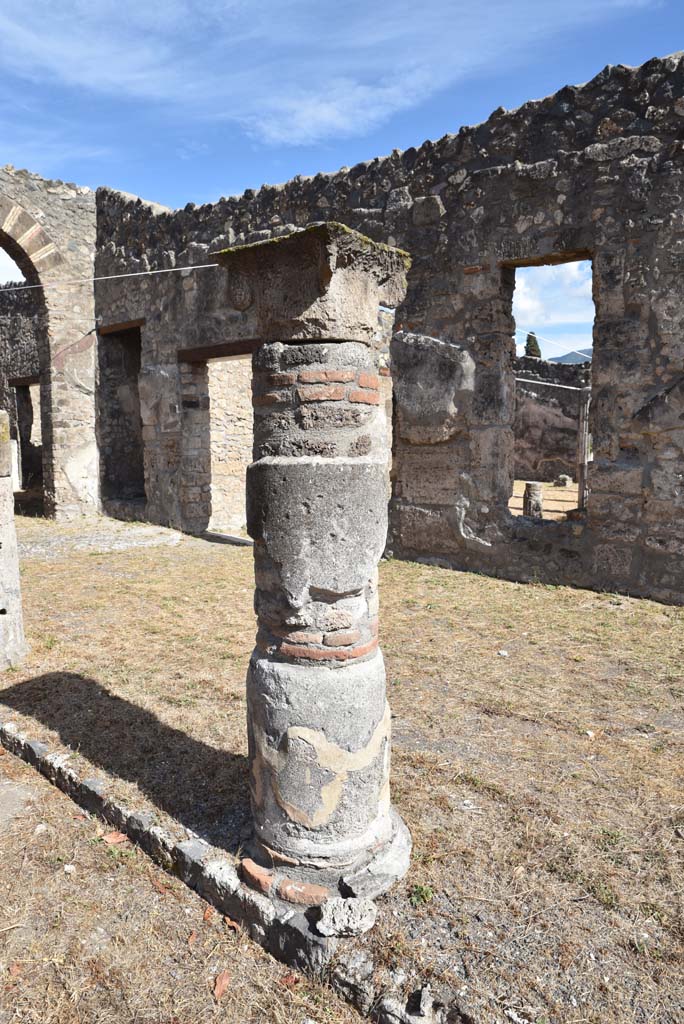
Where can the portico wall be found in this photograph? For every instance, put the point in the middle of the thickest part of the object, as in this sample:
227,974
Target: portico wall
592,172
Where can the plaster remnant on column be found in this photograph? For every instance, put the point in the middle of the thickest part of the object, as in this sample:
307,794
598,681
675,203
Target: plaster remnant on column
330,776
326,756
318,717
12,643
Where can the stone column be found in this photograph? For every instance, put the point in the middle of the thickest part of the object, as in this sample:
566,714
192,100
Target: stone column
12,644
533,500
318,718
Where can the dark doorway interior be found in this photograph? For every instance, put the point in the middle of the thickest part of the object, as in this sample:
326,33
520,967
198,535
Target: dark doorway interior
28,498
119,425
28,429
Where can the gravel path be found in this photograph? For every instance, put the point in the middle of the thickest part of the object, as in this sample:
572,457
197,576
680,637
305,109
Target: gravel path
47,539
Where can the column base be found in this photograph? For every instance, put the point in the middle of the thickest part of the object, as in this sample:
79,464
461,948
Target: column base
286,879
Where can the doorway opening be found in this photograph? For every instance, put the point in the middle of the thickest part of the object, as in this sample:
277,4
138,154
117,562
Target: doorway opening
22,335
554,314
231,439
119,424
28,491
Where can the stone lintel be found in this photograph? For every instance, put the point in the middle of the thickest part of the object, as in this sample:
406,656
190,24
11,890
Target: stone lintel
324,283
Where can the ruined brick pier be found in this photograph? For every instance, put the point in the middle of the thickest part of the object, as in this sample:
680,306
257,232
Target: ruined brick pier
12,644
318,717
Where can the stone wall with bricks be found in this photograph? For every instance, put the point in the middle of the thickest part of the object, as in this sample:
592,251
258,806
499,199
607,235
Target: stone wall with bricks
48,228
547,400
592,172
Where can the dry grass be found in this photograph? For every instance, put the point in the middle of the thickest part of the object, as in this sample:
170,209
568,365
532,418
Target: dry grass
96,934
558,501
544,791
538,754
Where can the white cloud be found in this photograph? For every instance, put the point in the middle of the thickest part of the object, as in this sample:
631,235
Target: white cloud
555,303
192,149
289,71
550,296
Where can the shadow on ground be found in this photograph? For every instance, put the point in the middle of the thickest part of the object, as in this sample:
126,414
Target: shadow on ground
29,503
203,788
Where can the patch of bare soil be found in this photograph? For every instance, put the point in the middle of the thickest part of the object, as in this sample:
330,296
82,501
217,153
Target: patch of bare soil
538,761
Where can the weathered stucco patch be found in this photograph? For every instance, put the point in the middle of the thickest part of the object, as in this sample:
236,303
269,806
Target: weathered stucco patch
329,757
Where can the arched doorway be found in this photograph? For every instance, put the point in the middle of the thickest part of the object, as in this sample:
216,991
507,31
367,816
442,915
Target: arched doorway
23,368
55,254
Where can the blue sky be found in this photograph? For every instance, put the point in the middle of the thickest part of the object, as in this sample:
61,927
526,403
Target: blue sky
555,303
187,101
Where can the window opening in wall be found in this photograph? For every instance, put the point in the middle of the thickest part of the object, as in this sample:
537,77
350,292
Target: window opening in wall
554,315
119,424
21,321
231,438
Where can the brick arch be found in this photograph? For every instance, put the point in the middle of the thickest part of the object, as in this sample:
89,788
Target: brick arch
49,229
27,242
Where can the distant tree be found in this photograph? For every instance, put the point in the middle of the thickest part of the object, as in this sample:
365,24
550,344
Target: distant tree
532,346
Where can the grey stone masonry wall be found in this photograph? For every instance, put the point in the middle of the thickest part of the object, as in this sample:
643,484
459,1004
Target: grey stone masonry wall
592,172
12,644
22,328
547,417
48,228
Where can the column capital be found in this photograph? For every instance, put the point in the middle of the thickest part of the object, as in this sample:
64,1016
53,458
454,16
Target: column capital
324,283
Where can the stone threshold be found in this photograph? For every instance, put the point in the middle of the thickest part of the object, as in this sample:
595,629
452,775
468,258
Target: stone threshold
287,932
218,537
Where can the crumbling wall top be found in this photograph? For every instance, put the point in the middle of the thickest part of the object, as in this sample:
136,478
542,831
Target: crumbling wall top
621,110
